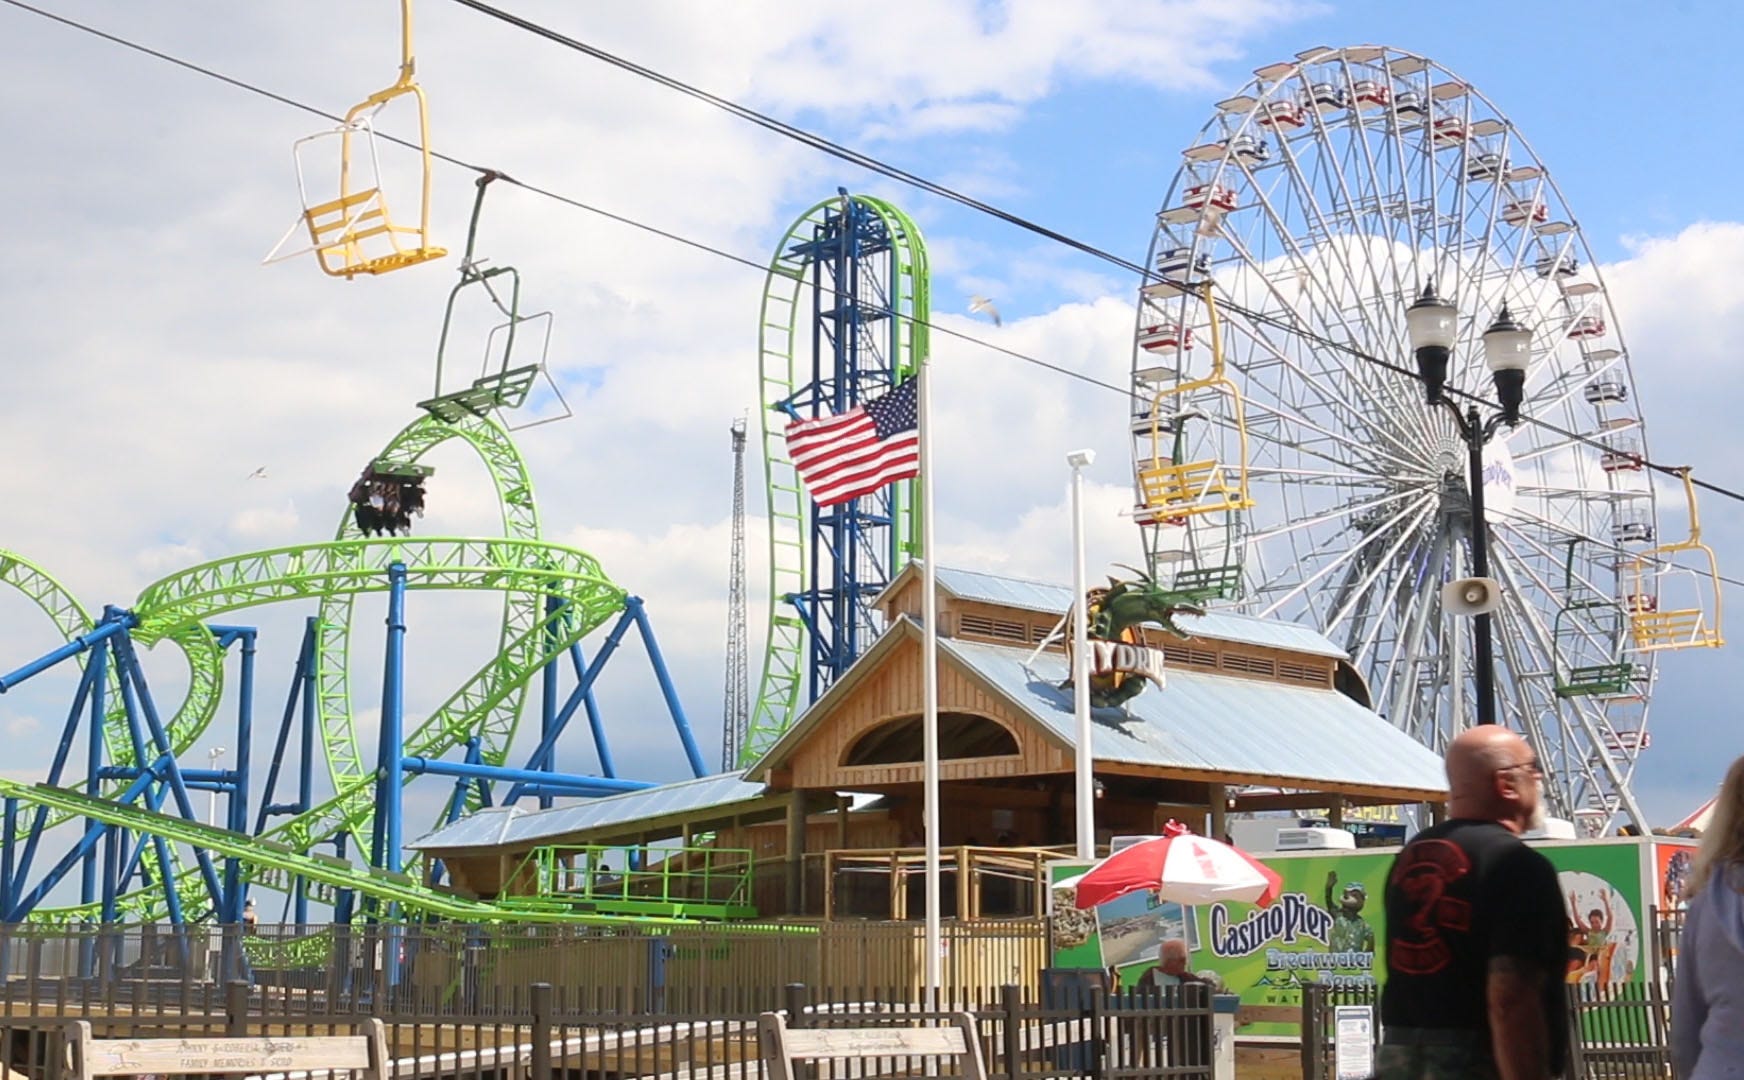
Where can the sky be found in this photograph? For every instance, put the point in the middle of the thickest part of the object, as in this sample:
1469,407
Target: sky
153,363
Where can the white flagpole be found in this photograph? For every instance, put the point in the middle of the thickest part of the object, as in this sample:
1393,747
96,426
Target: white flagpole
929,661
1085,777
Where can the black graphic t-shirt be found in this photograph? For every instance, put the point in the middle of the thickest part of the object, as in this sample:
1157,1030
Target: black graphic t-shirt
1460,894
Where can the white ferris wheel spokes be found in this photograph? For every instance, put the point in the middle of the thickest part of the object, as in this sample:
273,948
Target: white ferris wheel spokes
1315,205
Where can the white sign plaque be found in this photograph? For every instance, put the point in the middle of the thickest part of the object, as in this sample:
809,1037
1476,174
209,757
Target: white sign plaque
1353,1043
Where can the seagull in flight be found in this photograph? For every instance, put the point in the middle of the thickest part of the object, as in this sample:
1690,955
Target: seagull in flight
258,474
980,305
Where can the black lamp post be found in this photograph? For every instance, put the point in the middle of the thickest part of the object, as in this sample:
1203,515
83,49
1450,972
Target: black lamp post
1432,325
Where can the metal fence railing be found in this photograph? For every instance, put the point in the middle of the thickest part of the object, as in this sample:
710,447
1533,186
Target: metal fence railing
1320,1004
1618,1031
467,1001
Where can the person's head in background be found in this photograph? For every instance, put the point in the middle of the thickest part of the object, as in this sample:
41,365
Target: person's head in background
1723,839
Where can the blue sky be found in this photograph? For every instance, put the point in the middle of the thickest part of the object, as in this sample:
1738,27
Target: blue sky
135,310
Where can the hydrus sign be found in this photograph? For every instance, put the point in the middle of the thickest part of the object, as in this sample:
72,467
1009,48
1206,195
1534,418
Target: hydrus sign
1288,932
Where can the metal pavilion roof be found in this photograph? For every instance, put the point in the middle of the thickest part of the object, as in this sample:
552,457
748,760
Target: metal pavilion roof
1301,736
1056,599
501,826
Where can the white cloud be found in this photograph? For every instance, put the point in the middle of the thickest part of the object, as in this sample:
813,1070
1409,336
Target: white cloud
265,522
153,364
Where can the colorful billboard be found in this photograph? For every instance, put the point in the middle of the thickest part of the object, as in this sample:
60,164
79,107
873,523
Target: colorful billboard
1327,926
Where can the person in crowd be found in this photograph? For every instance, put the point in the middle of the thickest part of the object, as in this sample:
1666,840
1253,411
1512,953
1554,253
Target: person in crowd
1171,969
1707,1005
1477,936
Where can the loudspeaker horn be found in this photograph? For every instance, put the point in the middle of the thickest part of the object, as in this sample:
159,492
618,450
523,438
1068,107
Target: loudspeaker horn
1471,596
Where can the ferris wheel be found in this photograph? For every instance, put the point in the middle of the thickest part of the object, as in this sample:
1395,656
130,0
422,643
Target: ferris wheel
1280,473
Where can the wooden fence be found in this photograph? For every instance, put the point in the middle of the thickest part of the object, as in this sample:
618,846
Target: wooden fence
546,1033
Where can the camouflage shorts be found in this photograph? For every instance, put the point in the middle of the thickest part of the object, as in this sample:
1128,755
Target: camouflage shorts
1443,1056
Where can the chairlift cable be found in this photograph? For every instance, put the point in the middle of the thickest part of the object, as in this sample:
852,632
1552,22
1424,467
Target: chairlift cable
868,162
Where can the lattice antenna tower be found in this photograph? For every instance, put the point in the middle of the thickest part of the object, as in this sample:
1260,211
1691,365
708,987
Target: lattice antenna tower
736,714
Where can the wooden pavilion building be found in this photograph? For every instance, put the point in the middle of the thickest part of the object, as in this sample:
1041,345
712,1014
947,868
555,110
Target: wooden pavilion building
828,823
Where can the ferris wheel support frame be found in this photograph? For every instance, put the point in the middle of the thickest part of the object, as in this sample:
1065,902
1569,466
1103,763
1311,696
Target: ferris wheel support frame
1320,196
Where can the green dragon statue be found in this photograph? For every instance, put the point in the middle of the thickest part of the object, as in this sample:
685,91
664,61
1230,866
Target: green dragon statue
1117,613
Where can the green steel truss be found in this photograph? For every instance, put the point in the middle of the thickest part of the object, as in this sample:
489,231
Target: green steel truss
487,703
784,365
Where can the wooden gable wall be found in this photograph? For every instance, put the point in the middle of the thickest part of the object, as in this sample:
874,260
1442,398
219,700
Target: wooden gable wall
893,691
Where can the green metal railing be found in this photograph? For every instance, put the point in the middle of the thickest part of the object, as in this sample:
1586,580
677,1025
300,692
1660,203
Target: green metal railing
675,882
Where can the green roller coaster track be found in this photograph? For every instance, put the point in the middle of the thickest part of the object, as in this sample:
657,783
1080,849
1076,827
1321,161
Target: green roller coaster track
781,370
269,856
205,661
346,758
529,573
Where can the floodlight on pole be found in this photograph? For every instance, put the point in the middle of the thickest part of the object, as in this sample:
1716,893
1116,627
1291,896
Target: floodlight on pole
1432,324
213,756
1507,351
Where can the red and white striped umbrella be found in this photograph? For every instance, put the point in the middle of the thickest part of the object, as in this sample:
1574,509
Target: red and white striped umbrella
1182,867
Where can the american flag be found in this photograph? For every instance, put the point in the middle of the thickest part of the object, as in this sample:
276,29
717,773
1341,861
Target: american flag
857,452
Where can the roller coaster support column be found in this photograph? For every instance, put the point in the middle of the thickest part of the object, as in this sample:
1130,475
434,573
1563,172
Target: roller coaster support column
72,648
299,703
562,783
140,704
93,678
236,783
596,724
633,604
582,695
385,844
8,845
96,669
548,693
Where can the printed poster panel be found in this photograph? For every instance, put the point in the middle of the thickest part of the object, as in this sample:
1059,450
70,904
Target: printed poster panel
1671,864
1328,927
1121,938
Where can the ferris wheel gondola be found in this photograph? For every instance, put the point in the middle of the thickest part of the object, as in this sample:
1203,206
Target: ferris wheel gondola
1355,502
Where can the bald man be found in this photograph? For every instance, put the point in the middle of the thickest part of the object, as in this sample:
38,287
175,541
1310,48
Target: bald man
1171,968
1476,932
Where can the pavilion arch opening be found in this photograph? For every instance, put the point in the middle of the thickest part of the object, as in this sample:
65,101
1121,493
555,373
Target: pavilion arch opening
961,735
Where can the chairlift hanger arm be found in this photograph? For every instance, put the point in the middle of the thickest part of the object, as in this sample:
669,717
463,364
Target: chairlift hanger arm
408,64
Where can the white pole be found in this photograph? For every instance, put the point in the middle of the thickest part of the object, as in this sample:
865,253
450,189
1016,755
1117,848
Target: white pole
929,662
1084,759
212,757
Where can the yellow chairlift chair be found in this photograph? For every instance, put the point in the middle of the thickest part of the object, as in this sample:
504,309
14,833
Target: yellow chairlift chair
1172,490
1654,626
355,233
